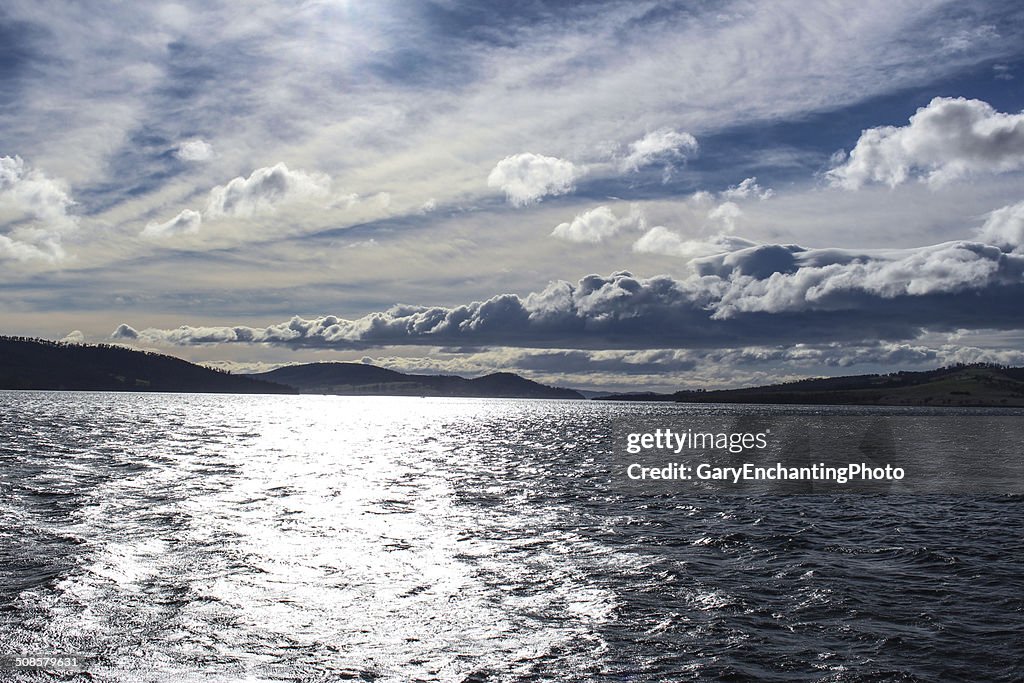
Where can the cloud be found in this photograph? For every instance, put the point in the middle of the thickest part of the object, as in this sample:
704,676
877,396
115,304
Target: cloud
777,278
665,146
673,369
263,190
747,188
125,332
34,214
661,240
725,215
714,236
948,139
767,294
194,150
964,39
598,224
74,337
526,178
185,223
1005,228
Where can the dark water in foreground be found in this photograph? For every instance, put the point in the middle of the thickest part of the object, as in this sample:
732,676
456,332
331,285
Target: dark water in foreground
223,538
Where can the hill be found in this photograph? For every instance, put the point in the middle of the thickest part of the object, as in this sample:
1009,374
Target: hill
356,379
979,385
39,364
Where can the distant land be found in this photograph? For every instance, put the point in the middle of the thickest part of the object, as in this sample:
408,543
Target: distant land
980,385
360,379
39,364
27,363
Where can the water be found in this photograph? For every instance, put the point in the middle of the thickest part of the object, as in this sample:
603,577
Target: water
269,538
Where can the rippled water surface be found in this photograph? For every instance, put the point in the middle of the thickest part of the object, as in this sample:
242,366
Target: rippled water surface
267,538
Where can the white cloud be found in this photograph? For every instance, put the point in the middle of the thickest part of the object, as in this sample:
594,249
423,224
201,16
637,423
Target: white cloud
665,146
265,189
526,178
125,331
726,214
714,234
194,150
74,337
777,278
771,293
964,39
948,139
747,188
33,213
661,240
1005,227
185,223
597,225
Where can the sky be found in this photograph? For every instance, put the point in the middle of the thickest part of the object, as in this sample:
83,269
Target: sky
604,195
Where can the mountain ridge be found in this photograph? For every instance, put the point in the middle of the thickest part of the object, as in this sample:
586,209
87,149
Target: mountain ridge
362,379
29,363
961,385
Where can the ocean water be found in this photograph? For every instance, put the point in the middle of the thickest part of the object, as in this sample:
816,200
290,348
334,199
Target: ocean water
283,538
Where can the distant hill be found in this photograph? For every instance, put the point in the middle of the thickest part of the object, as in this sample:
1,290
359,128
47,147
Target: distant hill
357,379
39,364
959,385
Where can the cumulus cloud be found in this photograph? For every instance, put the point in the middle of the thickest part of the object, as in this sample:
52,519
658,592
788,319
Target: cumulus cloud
714,236
776,278
186,222
746,189
33,213
598,224
948,139
125,332
757,294
665,146
661,240
726,215
1005,228
74,337
263,190
526,178
194,150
